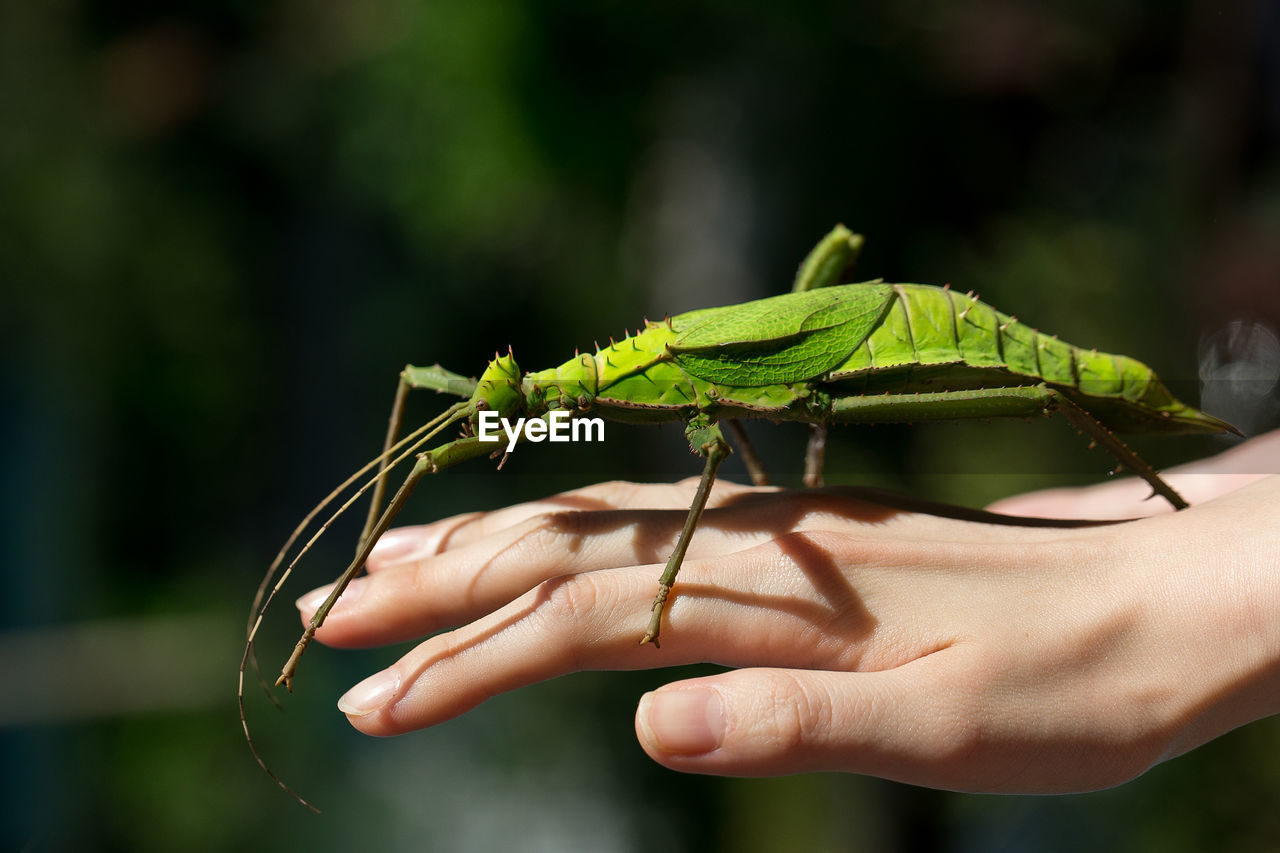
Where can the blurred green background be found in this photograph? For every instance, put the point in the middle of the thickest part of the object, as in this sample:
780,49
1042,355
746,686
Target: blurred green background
225,226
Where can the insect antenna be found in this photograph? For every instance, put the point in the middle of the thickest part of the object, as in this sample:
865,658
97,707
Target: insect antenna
306,521
451,416
244,723
410,445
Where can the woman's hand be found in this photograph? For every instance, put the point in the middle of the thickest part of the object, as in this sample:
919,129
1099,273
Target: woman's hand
932,645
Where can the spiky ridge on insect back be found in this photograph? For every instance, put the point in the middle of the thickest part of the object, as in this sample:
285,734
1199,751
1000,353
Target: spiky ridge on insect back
934,339
772,358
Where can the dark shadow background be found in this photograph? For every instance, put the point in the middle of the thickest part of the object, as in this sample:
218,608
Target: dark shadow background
225,226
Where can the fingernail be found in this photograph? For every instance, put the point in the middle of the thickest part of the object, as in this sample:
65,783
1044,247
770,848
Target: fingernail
311,602
370,694
392,545
682,722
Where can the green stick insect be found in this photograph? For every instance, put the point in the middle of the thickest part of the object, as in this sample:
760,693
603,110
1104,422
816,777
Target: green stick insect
826,353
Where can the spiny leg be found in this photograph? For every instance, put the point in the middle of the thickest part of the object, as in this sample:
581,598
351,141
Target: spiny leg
1126,457
1017,401
815,455
393,429
434,378
755,468
428,462
707,440
414,441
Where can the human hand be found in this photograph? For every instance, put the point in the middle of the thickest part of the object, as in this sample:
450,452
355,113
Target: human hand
931,645
1129,497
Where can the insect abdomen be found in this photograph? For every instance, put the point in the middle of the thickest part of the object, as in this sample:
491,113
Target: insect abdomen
929,326
934,339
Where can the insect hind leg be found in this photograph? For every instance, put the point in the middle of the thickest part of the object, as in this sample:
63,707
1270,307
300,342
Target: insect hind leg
1017,401
815,455
1105,437
755,467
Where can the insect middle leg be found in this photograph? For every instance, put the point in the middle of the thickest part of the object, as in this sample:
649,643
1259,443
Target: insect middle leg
707,440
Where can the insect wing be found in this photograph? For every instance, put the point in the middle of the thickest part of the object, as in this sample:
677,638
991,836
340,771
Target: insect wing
788,338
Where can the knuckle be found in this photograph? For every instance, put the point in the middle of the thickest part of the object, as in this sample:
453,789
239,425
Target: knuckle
550,536
799,712
962,728
569,599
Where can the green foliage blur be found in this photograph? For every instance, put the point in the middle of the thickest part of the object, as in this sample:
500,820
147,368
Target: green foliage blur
224,227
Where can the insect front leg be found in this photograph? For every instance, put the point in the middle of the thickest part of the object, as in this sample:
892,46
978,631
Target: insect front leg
422,467
427,462
706,439
433,378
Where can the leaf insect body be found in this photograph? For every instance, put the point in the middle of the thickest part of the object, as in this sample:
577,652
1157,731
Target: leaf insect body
824,354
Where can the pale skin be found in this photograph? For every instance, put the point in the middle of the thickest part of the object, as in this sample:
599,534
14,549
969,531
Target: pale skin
872,634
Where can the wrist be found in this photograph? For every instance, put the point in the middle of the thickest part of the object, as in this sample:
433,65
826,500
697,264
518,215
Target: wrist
1223,626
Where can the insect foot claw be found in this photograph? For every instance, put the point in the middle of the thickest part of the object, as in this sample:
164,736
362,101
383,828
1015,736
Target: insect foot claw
655,620
286,680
